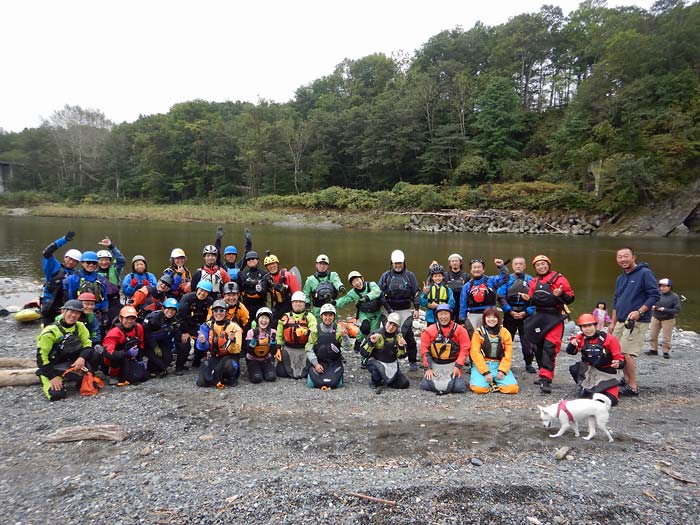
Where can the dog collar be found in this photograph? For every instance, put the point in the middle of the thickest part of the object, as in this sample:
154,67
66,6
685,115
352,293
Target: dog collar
561,407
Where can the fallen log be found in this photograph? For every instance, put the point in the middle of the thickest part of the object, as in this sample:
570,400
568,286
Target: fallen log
371,498
18,377
98,432
17,362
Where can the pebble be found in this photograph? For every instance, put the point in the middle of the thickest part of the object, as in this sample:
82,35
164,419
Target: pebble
476,462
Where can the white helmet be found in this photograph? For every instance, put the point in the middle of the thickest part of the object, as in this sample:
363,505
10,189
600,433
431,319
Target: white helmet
327,308
323,258
177,252
397,256
104,253
263,311
74,254
299,296
455,256
395,318
354,274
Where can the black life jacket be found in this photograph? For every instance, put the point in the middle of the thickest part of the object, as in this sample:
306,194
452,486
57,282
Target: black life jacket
93,287
443,349
370,306
326,348
519,286
251,278
54,286
324,293
455,281
491,349
159,326
296,331
480,295
154,301
67,347
595,354
398,287
543,297
277,292
390,351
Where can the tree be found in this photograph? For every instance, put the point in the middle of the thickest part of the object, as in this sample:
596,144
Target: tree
296,135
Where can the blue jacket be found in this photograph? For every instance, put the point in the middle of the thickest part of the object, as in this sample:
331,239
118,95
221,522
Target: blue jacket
503,292
635,289
429,312
51,268
143,279
72,285
492,282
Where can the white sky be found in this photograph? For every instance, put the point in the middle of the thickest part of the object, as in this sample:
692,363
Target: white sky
128,58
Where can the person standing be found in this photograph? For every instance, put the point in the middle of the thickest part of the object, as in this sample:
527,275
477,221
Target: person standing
663,318
55,272
636,292
479,293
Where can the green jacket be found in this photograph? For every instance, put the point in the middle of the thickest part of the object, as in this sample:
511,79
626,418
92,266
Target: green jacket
49,351
312,282
371,291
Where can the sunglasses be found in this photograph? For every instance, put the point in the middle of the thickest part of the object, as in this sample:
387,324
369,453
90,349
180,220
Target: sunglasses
476,261
90,263
218,310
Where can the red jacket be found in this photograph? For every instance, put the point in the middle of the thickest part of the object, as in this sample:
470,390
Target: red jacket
567,296
460,337
611,344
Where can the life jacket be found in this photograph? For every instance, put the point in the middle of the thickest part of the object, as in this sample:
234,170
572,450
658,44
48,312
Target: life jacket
480,295
219,343
232,313
232,271
398,287
112,281
324,293
94,287
277,293
53,289
326,348
264,345
252,279
389,351
154,301
455,282
437,293
213,275
491,349
67,347
443,349
296,331
518,286
370,306
543,297
595,354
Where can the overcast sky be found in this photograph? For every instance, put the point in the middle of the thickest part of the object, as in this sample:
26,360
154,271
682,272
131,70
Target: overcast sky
129,57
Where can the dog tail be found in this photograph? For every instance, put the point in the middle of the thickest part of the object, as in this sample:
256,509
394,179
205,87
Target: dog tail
603,398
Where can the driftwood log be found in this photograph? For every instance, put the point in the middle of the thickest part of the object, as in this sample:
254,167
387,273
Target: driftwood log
17,362
18,377
100,432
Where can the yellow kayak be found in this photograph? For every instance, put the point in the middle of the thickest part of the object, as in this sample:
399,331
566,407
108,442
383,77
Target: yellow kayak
28,315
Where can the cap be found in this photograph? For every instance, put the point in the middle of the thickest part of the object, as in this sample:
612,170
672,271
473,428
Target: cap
665,281
73,304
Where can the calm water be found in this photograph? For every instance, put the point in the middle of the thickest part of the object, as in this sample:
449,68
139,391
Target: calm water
589,263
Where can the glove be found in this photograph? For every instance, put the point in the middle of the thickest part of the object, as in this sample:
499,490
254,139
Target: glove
134,282
69,236
177,281
364,298
132,352
219,232
247,234
99,349
341,289
253,343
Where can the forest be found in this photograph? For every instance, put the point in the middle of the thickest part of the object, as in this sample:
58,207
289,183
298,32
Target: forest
598,108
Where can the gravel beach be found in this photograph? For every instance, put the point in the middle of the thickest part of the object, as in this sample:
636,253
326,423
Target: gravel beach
285,453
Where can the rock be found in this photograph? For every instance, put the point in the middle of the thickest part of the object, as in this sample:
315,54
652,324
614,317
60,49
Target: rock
561,453
476,462
145,451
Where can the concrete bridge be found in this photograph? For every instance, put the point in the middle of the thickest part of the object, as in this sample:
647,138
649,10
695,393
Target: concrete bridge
7,172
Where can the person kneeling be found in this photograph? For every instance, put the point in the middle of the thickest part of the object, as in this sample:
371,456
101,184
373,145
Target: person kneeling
222,339
382,351
65,353
124,346
444,347
601,358
295,327
323,352
261,348
492,353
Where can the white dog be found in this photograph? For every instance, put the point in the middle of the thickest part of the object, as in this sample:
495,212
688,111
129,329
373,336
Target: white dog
570,413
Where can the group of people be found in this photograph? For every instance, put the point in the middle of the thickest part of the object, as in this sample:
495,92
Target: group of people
230,313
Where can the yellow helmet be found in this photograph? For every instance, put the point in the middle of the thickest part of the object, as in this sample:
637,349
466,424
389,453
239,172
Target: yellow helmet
270,259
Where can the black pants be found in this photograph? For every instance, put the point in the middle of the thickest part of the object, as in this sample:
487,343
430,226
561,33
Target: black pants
259,370
156,364
516,326
183,352
219,370
399,381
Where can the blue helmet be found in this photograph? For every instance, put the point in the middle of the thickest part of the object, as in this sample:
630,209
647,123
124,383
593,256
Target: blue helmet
443,306
205,285
88,257
231,249
170,303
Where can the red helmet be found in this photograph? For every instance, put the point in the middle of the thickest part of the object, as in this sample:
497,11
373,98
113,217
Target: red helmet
586,319
87,296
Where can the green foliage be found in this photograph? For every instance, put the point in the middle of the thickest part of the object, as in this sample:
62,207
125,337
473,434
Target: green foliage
26,198
627,182
521,195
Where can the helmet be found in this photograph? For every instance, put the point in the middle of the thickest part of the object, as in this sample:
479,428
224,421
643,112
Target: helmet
272,258
220,303
437,268
299,296
397,256
539,258
88,257
323,258
128,311
263,311
177,252
104,254
586,319
87,296
205,285
395,318
231,287
74,254
251,255
443,307
455,256
137,258
328,308
167,279
209,248
354,274
170,303
230,249
73,304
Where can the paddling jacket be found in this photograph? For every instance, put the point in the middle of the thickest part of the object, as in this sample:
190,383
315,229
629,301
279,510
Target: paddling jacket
386,349
479,294
217,338
119,340
296,328
54,273
400,289
58,343
541,296
142,279
237,313
633,290
367,300
217,276
597,351
438,294
324,345
193,312
82,281
112,273
147,299
181,281
159,330
248,280
261,344
281,286
487,346
510,294
322,288
444,344
235,268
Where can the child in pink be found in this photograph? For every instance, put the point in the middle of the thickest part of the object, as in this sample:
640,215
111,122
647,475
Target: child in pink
601,316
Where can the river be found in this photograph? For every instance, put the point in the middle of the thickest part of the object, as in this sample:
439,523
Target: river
588,262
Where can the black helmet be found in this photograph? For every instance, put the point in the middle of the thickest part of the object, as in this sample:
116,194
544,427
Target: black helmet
73,304
251,255
437,268
231,287
167,279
